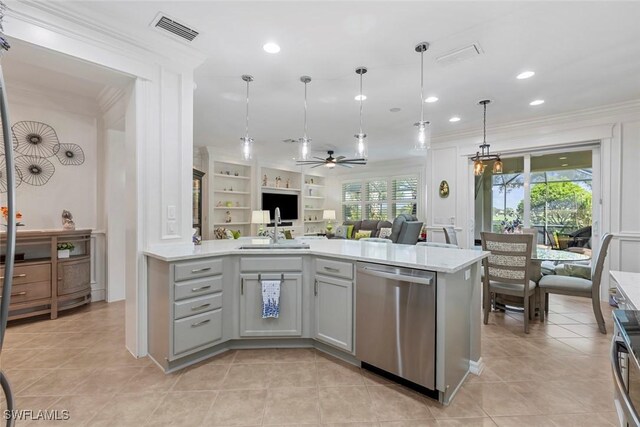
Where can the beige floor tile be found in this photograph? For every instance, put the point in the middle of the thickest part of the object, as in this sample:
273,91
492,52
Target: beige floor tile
393,402
100,358
520,421
345,404
292,406
21,378
557,331
500,399
106,381
548,397
560,319
587,331
222,358
489,375
588,346
467,422
237,407
127,410
151,379
183,409
255,356
252,376
410,423
59,382
368,424
14,357
585,420
338,373
52,357
587,317
292,375
202,377
81,409
464,405
284,355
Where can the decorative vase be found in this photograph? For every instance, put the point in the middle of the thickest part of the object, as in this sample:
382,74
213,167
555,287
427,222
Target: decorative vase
63,253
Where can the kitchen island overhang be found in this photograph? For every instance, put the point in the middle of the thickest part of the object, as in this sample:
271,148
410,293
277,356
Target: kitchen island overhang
224,279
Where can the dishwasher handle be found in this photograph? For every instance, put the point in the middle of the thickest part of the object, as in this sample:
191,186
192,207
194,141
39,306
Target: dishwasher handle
398,276
617,347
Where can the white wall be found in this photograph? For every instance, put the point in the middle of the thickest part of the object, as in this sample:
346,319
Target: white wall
71,187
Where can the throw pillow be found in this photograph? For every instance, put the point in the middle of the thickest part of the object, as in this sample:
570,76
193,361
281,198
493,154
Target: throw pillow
287,234
363,234
385,232
350,231
342,231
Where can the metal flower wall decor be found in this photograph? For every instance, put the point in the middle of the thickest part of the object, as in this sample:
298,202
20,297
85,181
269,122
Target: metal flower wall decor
36,142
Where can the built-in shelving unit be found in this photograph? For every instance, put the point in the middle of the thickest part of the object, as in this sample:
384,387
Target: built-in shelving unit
232,196
313,204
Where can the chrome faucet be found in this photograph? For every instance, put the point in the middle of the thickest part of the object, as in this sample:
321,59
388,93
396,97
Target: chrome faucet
276,221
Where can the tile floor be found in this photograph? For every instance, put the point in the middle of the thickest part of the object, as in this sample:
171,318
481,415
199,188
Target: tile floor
558,375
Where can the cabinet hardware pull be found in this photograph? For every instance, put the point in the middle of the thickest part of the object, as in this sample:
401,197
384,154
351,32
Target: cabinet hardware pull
17,294
335,270
200,307
15,276
195,325
200,270
315,288
202,288
242,286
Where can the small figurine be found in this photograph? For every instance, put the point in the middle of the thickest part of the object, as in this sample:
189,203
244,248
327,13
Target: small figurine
277,182
264,180
316,217
311,181
235,173
219,205
237,204
230,188
67,221
228,173
310,192
288,180
228,218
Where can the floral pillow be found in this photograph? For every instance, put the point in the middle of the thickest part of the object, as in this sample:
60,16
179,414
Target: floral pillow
362,234
341,231
385,233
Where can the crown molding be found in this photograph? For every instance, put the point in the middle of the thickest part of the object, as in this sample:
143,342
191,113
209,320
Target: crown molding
108,97
86,29
601,114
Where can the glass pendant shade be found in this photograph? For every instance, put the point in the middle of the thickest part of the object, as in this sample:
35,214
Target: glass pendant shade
247,142
497,166
424,136
247,148
423,142
303,150
361,146
478,168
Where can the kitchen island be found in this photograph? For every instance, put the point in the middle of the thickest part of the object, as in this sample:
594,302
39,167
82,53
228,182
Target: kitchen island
207,299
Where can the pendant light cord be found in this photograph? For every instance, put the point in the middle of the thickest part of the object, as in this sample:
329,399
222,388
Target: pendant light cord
422,86
247,115
361,102
484,126
305,111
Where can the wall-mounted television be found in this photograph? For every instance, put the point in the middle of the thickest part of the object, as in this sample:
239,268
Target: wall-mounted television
288,204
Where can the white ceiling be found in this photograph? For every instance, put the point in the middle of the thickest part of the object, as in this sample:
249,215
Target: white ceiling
585,54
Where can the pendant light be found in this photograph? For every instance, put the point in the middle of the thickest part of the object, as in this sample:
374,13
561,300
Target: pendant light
361,144
247,142
483,155
303,149
424,128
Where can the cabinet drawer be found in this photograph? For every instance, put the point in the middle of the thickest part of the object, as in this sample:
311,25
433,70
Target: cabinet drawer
29,291
193,306
334,268
271,263
29,273
197,287
197,331
193,269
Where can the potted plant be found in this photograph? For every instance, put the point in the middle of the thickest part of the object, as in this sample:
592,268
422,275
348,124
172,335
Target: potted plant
64,249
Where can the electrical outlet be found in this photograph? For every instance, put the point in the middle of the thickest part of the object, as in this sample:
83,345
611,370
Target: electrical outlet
467,274
171,227
171,212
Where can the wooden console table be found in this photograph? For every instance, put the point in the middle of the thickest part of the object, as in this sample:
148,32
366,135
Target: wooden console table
44,283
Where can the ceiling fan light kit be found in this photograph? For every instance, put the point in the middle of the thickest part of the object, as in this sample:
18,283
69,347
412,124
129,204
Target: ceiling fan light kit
484,155
331,162
247,141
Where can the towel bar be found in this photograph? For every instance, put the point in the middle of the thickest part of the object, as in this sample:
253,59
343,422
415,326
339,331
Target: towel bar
260,277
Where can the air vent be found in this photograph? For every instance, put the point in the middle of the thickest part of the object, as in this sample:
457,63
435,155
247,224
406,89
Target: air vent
459,55
166,24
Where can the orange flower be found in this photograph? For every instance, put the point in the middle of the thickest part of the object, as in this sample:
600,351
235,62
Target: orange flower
18,216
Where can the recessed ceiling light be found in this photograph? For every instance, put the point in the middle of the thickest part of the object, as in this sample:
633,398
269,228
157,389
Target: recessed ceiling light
537,102
271,47
360,97
565,164
454,119
525,75
431,99
395,109
563,158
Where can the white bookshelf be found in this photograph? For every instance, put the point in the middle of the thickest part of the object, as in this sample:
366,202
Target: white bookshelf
232,196
313,194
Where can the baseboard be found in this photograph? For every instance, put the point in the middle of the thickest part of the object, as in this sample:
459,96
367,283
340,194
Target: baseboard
98,295
476,366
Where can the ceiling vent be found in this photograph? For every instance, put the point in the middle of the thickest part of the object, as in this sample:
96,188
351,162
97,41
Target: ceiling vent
459,55
169,25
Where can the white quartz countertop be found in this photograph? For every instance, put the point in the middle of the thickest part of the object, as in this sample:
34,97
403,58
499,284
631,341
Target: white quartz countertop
629,283
442,260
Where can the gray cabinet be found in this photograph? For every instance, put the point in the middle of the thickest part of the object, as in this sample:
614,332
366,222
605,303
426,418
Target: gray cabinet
334,311
289,322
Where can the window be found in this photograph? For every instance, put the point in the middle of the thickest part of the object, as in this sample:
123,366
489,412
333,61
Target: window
379,198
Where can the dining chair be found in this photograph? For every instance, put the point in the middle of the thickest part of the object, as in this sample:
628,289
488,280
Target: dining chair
375,239
438,245
578,286
507,271
450,235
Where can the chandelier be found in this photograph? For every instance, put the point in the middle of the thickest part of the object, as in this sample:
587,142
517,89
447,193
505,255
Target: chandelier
483,155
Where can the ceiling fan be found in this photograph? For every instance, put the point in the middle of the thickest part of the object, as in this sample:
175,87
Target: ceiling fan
331,162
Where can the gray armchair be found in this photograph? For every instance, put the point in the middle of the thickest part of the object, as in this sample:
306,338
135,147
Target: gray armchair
578,286
406,229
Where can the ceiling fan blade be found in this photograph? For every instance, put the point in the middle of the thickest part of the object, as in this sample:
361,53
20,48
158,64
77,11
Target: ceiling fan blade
317,166
319,158
345,165
354,162
340,158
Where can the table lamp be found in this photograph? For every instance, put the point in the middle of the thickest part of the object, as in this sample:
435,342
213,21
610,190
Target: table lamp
260,217
329,215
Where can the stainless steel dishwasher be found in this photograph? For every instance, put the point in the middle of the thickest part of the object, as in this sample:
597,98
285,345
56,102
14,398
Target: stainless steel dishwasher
396,321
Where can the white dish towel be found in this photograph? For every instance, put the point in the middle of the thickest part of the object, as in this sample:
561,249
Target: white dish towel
270,298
